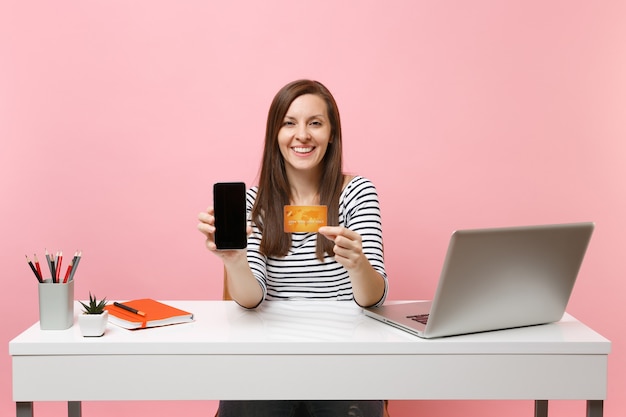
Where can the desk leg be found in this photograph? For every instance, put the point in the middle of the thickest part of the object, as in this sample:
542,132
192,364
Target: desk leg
541,408
74,409
595,408
24,409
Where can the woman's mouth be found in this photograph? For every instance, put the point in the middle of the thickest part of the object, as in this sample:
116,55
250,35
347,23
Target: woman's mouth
301,150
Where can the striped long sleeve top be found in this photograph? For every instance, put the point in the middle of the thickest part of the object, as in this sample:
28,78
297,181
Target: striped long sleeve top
300,275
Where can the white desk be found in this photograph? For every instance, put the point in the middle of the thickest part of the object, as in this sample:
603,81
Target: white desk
343,354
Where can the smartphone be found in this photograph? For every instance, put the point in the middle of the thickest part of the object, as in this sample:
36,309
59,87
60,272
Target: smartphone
229,203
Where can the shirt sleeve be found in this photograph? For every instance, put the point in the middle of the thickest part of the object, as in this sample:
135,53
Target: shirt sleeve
362,215
256,260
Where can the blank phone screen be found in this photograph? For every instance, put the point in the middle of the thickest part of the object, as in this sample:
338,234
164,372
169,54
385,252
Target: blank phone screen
229,201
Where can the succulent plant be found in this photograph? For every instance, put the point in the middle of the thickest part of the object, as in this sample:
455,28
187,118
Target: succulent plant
94,306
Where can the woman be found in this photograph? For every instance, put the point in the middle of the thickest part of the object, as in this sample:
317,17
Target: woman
302,165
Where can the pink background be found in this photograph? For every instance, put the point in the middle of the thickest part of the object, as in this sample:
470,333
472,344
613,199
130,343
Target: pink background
116,117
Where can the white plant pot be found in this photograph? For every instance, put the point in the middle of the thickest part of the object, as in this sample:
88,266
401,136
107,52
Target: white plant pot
93,325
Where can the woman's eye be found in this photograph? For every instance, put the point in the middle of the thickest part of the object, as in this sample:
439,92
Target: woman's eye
288,123
316,123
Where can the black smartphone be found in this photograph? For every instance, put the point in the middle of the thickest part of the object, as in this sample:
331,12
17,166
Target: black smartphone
229,203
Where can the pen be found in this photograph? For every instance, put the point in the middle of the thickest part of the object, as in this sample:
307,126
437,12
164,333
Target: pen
127,308
33,268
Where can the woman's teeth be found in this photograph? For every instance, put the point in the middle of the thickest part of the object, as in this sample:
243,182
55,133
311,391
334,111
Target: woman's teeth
303,150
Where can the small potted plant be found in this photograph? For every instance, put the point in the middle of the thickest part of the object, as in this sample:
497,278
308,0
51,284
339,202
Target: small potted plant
94,319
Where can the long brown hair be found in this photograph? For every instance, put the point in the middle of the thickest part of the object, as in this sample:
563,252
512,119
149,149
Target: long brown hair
274,191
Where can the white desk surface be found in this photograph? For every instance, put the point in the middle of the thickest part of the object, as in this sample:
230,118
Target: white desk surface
300,327
307,350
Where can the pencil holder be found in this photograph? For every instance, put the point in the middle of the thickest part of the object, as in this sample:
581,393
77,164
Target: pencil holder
56,305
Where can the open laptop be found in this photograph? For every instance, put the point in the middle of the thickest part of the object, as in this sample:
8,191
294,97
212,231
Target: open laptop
496,279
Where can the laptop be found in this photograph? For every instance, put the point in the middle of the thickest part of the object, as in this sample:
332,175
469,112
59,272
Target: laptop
495,279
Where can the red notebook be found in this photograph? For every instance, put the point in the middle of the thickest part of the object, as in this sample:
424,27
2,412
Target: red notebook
156,314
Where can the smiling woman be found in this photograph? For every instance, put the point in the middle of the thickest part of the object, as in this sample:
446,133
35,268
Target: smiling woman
342,261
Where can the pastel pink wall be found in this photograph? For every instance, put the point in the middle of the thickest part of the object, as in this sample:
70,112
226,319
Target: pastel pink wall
117,116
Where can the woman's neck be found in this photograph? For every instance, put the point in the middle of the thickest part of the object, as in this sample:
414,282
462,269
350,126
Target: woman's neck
307,195
304,189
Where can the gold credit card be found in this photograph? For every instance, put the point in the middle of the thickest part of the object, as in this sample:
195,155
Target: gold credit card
304,218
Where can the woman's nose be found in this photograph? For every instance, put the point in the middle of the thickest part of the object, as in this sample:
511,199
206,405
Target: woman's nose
302,133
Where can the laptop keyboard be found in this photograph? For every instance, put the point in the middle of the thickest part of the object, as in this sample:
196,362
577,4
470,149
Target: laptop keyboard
420,318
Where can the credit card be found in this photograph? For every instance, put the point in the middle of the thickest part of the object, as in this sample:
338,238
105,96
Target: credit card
304,218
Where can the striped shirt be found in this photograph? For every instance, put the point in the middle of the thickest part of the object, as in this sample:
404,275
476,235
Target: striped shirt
300,275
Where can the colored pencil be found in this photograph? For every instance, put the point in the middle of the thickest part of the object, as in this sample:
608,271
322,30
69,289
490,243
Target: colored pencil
38,268
58,266
33,268
77,258
69,270
53,269
50,265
